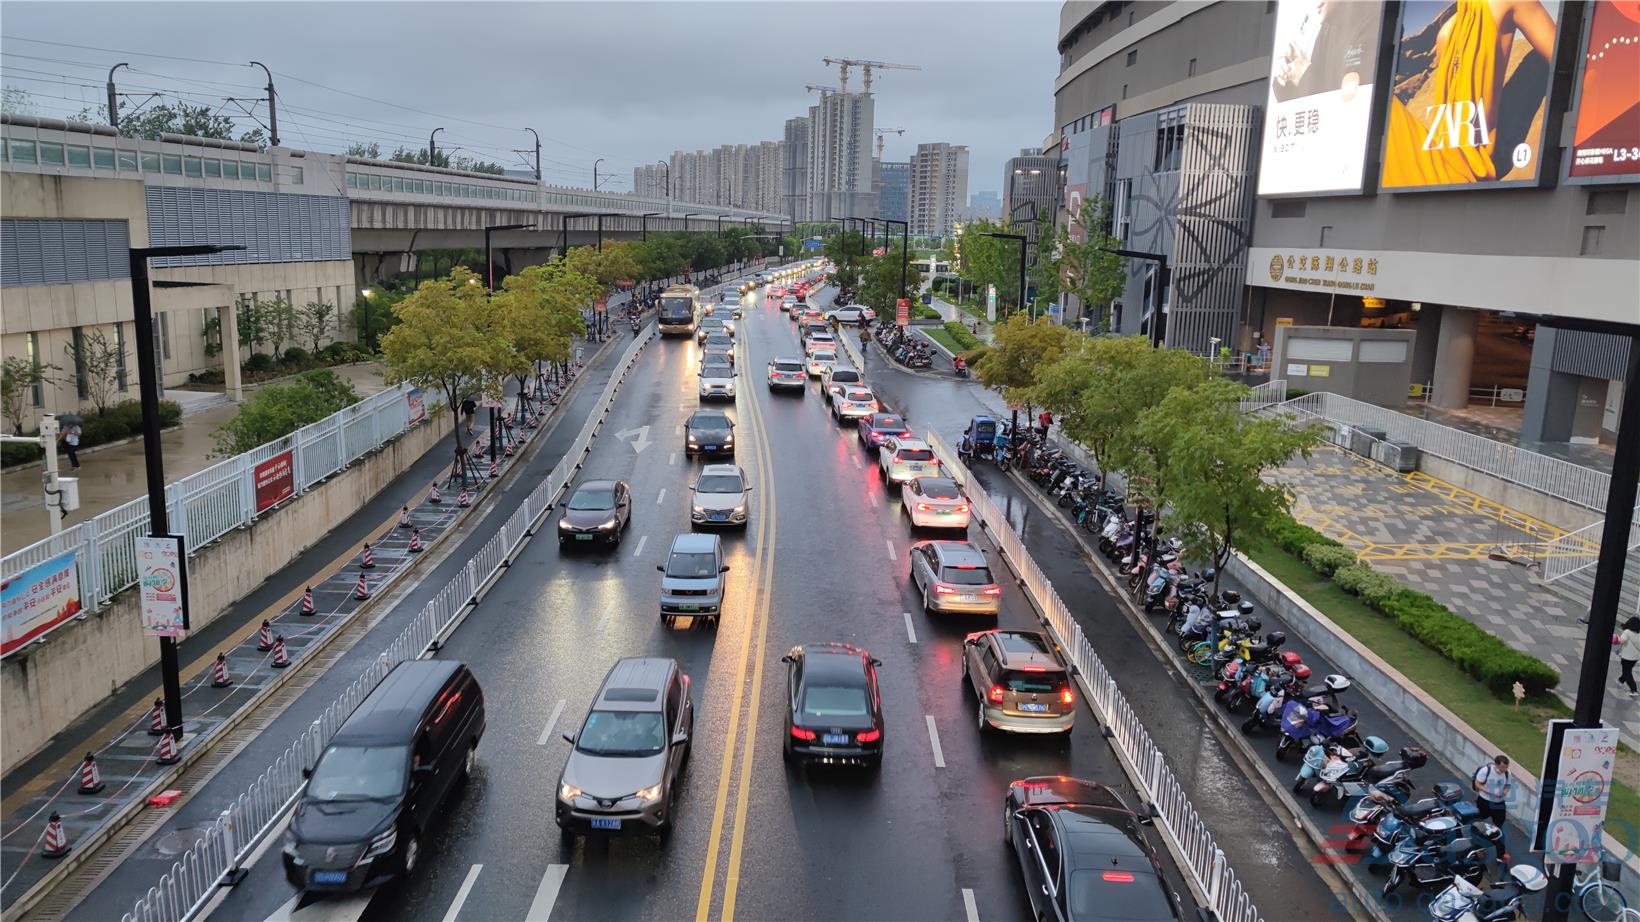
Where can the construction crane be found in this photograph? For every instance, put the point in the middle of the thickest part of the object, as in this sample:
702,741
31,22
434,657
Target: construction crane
843,64
811,87
882,133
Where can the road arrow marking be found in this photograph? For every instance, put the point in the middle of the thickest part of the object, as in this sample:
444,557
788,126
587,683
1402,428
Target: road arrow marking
639,437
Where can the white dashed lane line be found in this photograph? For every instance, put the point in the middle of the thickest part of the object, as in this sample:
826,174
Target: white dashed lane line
638,551
552,722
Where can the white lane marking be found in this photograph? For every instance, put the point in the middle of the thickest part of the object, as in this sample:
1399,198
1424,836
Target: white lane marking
679,430
934,740
910,630
461,895
891,553
638,551
857,465
552,723
344,910
547,894
671,459
873,498
969,906
661,497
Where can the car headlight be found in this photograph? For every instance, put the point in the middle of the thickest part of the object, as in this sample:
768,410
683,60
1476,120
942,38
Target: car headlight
381,844
740,509
693,440
607,525
700,510
650,794
563,525
729,439
290,846
567,791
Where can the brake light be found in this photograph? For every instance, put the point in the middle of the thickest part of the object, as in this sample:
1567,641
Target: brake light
996,694
1118,877
962,507
992,590
869,736
1065,696
802,734
906,434
923,507
943,589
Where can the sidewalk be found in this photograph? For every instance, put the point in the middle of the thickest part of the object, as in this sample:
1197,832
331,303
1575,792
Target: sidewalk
113,475
949,312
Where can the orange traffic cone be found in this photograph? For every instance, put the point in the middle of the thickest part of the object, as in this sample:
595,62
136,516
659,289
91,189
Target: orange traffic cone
56,842
463,500
281,659
433,495
415,541
90,778
404,517
369,560
156,718
219,672
264,637
360,590
168,752
307,601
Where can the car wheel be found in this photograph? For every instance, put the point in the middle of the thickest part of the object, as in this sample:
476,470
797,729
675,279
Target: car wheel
566,837
984,726
412,853
927,608
470,762
1007,826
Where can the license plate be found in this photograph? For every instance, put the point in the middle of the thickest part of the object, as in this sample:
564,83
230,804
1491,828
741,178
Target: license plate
970,597
943,511
834,739
711,448
1034,708
602,823
584,537
688,608
330,877
913,467
718,517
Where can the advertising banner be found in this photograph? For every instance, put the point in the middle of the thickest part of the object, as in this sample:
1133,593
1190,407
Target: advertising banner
162,578
1606,119
37,600
1469,92
275,481
418,405
1577,782
1320,104
902,311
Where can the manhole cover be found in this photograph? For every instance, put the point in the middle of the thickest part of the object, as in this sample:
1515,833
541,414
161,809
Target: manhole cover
174,842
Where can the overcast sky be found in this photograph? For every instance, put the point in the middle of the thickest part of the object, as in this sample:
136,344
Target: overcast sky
629,82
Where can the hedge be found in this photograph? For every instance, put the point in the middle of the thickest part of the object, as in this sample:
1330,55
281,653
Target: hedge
1473,650
959,332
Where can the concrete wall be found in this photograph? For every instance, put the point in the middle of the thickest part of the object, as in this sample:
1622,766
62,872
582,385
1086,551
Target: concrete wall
52,684
1366,364
1537,505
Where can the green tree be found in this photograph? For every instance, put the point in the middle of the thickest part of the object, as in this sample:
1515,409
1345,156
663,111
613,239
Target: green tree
279,319
280,409
983,260
373,315
1093,274
369,151
541,307
313,321
14,100
607,264
451,337
1213,458
1020,348
251,318
18,379
880,281
96,363
1045,273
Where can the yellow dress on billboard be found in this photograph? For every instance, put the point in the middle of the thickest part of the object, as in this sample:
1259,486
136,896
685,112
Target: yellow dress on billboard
1465,71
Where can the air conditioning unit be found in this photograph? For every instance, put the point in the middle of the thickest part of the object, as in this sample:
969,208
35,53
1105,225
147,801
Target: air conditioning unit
1401,457
1362,440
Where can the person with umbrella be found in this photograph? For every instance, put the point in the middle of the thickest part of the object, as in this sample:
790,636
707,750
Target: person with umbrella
71,439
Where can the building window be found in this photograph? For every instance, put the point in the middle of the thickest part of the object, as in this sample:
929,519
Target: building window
213,168
375,183
296,176
264,172
1326,235
230,169
78,355
126,161
1169,144
171,164
1124,91
22,151
1191,70
1591,240
80,157
150,163
1132,57
165,334
193,166
119,343
51,154
38,395
1269,7
102,158
1130,18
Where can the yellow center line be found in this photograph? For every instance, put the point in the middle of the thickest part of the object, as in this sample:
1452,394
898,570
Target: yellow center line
731,881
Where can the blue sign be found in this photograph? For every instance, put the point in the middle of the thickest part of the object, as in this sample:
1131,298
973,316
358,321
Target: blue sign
812,243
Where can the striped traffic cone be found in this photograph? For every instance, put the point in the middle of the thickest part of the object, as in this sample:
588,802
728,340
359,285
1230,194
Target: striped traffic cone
168,752
264,637
281,659
464,500
307,602
219,672
404,517
433,495
509,449
360,590
494,468
56,841
533,420
156,718
415,541
90,778
369,561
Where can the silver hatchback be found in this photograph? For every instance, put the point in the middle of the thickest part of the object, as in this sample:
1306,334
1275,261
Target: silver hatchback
954,576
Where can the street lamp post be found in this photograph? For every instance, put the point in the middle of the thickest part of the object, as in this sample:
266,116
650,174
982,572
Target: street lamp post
905,251
432,147
668,168
686,220
1022,243
537,153
595,173
489,264
153,455
643,221
1162,278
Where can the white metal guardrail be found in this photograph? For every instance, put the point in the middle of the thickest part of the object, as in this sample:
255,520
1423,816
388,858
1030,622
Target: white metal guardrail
208,504
183,891
1581,549
1203,860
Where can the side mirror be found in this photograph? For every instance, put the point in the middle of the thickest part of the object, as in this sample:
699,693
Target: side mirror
787,659
660,568
876,662
723,569
569,737
307,773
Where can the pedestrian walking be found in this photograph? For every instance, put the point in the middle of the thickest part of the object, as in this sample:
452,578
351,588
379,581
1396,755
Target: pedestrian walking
71,445
1628,653
469,409
1492,783
1043,421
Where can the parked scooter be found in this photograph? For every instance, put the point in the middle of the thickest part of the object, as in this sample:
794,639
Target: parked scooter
1462,901
1319,715
1429,863
1403,819
1395,774
1327,764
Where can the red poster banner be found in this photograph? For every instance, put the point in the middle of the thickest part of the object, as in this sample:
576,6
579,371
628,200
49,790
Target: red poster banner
902,311
275,481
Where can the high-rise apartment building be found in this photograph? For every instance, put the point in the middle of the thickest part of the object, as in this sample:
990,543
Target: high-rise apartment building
840,143
939,186
894,193
1030,186
744,176
794,175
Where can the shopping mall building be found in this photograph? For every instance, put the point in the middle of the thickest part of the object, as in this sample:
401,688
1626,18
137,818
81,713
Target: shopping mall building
1434,166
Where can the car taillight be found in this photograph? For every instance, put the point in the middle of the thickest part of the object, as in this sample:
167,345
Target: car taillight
1118,877
906,434
923,507
996,694
1065,696
992,590
869,736
802,734
943,589
962,507
874,405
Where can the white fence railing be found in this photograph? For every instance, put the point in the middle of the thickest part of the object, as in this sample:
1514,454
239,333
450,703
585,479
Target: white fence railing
182,892
1264,395
1203,860
1563,480
208,504
1581,549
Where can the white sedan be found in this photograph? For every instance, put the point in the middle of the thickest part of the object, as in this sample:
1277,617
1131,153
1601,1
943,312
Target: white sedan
720,497
820,360
854,403
852,313
934,502
903,459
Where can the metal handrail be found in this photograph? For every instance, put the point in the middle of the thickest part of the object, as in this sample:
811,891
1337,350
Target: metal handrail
1580,549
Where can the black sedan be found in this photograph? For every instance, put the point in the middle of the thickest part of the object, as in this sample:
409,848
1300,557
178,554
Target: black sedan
709,432
597,513
878,426
833,714
1082,853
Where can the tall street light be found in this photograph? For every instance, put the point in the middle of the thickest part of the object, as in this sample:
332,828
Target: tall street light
595,173
563,230
432,147
489,264
1022,243
668,168
643,221
1163,276
686,220
537,153
153,456
905,252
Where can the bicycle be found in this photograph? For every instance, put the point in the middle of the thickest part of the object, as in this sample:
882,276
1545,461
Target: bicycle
1598,897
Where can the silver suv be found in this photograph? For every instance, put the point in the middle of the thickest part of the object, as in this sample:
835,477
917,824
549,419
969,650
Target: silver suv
623,772
954,576
692,578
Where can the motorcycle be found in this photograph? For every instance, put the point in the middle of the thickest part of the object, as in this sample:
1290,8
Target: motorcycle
1392,775
1433,861
1318,716
1462,901
1329,766
1402,819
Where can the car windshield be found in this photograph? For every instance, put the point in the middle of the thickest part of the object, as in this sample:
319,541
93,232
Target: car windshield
915,454
788,366
359,773
967,576
709,421
861,396
939,489
1039,682
716,370
825,357
719,339
845,376
674,307
1128,896
719,483
824,701
691,566
887,422
622,733
593,498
